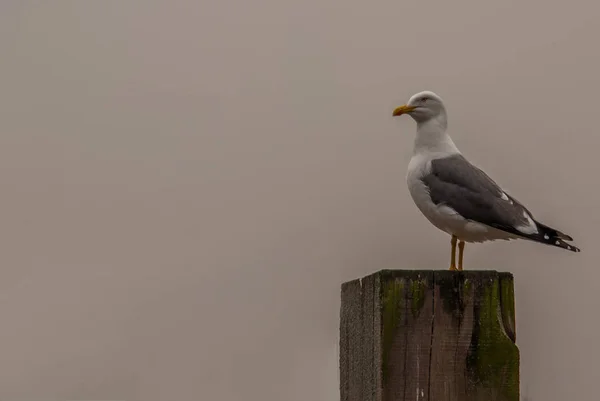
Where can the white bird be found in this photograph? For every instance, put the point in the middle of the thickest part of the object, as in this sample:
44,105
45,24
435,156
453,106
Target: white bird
459,198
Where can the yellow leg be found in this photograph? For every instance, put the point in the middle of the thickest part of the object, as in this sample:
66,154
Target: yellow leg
461,248
453,257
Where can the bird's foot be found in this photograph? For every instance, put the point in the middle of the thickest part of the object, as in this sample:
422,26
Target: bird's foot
453,268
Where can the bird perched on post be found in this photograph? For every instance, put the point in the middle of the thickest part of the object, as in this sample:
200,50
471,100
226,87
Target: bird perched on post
458,197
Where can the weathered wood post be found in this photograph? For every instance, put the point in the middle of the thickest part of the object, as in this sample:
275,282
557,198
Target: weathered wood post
429,336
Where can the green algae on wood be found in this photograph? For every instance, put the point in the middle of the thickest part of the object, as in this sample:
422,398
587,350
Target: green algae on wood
417,290
507,302
393,296
403,296
493,358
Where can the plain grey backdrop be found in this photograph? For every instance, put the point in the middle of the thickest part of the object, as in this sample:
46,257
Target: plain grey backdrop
185,184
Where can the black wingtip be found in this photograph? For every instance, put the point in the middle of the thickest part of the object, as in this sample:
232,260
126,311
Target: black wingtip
551,236
563,236
562,244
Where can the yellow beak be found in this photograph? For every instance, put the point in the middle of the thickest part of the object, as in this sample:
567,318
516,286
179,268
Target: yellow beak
403,110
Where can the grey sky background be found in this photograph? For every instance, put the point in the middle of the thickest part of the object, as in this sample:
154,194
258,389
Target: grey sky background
187,183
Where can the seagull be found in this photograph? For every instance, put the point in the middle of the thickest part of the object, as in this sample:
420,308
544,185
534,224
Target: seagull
456,196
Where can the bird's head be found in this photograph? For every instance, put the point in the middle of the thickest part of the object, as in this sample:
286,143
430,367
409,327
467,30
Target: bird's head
422,107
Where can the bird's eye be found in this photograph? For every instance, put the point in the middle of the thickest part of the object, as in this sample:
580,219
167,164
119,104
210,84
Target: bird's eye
424,99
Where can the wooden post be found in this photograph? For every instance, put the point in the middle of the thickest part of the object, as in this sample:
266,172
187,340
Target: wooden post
429,336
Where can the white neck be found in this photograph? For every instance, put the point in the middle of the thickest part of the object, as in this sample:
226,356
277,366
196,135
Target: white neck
432,137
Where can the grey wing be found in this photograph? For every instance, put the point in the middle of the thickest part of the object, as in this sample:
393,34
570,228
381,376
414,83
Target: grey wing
455,182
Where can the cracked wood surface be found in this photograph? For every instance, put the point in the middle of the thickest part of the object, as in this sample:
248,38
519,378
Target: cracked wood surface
429,336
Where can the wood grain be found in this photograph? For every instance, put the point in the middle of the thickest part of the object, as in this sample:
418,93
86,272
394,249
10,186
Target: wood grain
429,336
